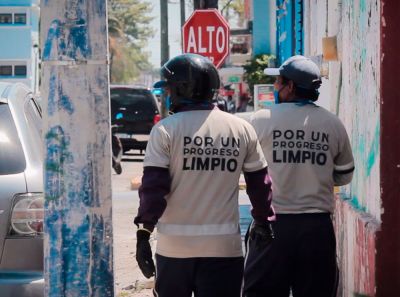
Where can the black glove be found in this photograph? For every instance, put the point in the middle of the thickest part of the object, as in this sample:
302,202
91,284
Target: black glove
144,257
261,234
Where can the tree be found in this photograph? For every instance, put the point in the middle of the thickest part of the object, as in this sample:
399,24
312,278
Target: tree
115,35
129,31
254,71
235,6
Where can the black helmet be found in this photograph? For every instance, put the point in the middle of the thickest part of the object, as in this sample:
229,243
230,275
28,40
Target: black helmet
191,78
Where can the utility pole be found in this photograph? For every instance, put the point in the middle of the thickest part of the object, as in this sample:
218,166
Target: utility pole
164,47
77,169
205,4
183,17
164,31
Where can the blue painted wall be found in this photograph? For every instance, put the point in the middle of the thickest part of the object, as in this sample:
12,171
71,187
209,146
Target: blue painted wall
289,24
16,2
261,27
18,45
298,27
21,38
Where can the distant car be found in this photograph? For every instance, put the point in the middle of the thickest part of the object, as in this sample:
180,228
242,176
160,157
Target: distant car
134,110
21,193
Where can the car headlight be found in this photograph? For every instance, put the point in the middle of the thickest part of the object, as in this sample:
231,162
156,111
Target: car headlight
27,214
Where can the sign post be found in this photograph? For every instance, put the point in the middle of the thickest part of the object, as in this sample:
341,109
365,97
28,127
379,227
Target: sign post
206,33
263,96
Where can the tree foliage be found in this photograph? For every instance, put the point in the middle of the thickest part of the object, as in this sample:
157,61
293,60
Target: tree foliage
129,30
254,71
236,7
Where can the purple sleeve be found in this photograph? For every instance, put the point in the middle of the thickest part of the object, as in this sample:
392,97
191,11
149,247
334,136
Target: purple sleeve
258,187
156,184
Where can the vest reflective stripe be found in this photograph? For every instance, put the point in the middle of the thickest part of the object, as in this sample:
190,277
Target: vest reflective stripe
196,230
344,167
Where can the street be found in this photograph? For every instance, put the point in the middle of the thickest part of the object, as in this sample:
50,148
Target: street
70,69
128,279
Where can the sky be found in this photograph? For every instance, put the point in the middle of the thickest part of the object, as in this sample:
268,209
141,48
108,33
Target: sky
174,31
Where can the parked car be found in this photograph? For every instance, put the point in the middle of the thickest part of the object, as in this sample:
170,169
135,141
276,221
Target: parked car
134,110
21,193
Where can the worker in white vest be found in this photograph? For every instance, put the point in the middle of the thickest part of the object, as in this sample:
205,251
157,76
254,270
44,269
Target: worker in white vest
308,153
189,188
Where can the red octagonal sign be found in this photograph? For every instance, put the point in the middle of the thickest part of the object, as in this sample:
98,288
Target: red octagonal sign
207,33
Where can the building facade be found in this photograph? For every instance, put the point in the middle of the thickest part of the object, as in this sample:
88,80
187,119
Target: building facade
364,95
19,51
356,45
264,27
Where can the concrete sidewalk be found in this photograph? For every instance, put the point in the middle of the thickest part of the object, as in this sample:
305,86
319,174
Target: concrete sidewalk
129,281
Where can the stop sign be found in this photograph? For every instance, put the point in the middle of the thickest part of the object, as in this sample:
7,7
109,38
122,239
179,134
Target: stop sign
207,33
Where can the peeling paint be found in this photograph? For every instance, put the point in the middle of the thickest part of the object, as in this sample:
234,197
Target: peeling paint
374,150
360,98
78,215
355,232
57,100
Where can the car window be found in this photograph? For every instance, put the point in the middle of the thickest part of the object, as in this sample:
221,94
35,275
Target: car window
135,100
34,123
12,158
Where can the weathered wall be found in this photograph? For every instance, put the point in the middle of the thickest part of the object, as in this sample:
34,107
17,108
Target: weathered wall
261,27
355,97
359,105
355,233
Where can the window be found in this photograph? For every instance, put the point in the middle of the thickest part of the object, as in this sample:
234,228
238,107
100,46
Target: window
5,18
12,158
20,70
20,18
5,70
34,124
138,102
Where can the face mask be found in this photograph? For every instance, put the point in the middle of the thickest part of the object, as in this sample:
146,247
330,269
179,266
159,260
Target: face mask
276,96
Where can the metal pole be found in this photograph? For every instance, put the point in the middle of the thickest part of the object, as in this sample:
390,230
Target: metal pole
205,4
164,47
164,31
183,17
75,89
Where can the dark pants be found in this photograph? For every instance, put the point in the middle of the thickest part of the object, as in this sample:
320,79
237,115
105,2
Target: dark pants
302,258
205,277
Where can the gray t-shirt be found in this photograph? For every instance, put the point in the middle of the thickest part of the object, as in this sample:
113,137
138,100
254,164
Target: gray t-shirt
308,153
205,152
